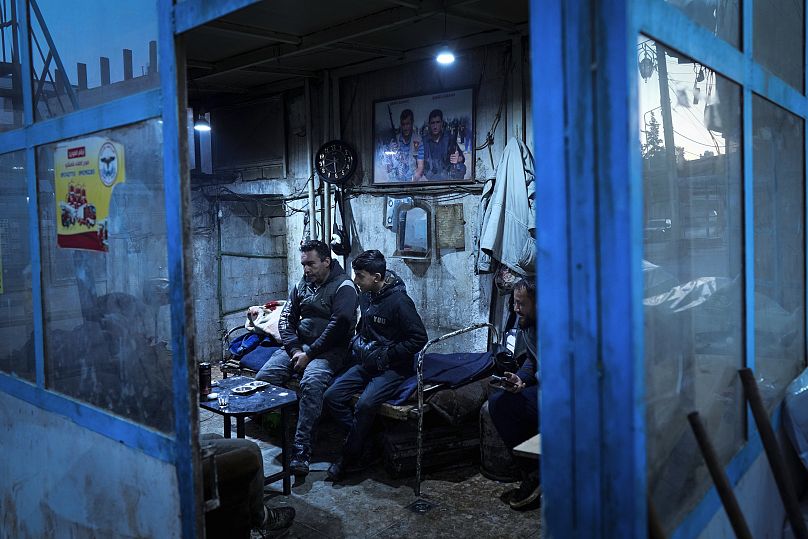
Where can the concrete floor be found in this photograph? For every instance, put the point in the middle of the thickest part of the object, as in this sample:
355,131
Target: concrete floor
372,504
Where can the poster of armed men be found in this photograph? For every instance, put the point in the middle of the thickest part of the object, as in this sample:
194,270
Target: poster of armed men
424,139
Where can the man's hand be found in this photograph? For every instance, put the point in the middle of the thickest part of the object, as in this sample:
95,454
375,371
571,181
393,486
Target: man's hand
455,158
300,360
518,384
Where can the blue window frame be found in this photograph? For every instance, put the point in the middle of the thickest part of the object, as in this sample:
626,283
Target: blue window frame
590,242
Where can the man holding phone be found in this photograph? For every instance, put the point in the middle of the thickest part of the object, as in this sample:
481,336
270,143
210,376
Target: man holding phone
515,409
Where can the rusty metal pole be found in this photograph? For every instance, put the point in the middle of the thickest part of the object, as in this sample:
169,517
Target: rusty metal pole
722,485
772,448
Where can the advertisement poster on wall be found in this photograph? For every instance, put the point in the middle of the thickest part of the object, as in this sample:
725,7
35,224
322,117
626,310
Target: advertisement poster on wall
85,172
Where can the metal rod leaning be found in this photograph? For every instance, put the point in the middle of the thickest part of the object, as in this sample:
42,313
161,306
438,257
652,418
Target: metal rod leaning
420,391
654,527
722,486
772,448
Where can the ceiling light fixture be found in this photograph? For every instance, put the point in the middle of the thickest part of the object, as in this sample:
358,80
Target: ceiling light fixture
202,124
445,55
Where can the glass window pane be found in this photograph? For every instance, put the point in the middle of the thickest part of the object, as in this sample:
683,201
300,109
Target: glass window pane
779,143
693,254
113,56
16,312
104,276
779,33
721,17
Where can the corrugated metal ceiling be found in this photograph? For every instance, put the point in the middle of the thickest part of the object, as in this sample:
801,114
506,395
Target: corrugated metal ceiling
277,42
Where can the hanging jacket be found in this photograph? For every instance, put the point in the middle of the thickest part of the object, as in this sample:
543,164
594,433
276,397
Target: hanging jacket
390,331
319,320
508,229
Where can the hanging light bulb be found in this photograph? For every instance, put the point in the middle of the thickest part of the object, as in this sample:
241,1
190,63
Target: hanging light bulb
202,124
445,56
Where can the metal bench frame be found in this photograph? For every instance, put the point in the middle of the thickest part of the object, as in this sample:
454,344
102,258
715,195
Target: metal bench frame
421,408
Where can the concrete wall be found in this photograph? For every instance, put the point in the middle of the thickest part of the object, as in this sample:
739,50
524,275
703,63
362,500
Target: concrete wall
248,226
60,480
445,287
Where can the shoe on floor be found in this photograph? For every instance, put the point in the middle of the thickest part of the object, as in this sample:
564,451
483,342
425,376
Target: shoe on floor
527,495
336,471
300,461
277,521
508,495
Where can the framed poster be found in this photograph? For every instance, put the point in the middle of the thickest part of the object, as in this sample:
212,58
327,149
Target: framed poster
424,138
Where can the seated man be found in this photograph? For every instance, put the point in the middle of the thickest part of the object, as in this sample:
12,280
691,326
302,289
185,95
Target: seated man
390,333
240,480
315,326
515,410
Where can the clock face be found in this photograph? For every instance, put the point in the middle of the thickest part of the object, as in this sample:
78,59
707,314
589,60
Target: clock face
335,161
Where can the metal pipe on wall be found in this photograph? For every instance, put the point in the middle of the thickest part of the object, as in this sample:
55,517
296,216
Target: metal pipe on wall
309,161
336,127
326,113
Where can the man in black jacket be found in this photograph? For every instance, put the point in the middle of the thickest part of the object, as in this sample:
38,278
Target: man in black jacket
515,409
315,326
390,333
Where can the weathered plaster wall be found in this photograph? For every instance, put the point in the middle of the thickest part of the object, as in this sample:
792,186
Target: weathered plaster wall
484,69
248,226
56,478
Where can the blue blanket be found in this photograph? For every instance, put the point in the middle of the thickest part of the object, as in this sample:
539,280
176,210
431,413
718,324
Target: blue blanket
452,370
255,359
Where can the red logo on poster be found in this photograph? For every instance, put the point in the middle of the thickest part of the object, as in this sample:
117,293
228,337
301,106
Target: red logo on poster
72,153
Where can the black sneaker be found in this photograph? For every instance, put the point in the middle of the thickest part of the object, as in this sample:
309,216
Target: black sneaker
276,521
300,461
527,495
336,471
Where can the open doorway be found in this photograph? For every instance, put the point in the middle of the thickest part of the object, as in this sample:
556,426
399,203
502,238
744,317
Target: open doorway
274,84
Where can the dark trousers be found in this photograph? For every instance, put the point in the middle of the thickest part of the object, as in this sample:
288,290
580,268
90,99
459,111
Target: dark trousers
376,389
240,474
516,417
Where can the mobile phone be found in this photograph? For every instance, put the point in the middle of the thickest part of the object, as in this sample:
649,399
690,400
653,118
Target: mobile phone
501,380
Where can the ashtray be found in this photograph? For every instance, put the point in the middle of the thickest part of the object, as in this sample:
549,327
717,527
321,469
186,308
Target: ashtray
250,387
212,396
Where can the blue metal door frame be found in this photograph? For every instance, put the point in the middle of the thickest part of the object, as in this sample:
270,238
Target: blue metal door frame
589,213
593,448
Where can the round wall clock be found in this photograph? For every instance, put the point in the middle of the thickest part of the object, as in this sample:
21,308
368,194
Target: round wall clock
335,162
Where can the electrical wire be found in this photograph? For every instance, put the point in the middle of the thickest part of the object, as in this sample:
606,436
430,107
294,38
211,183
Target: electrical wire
489,138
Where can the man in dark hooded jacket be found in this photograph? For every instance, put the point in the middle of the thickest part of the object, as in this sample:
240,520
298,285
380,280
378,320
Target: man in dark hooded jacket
390,333
315,326
515,409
